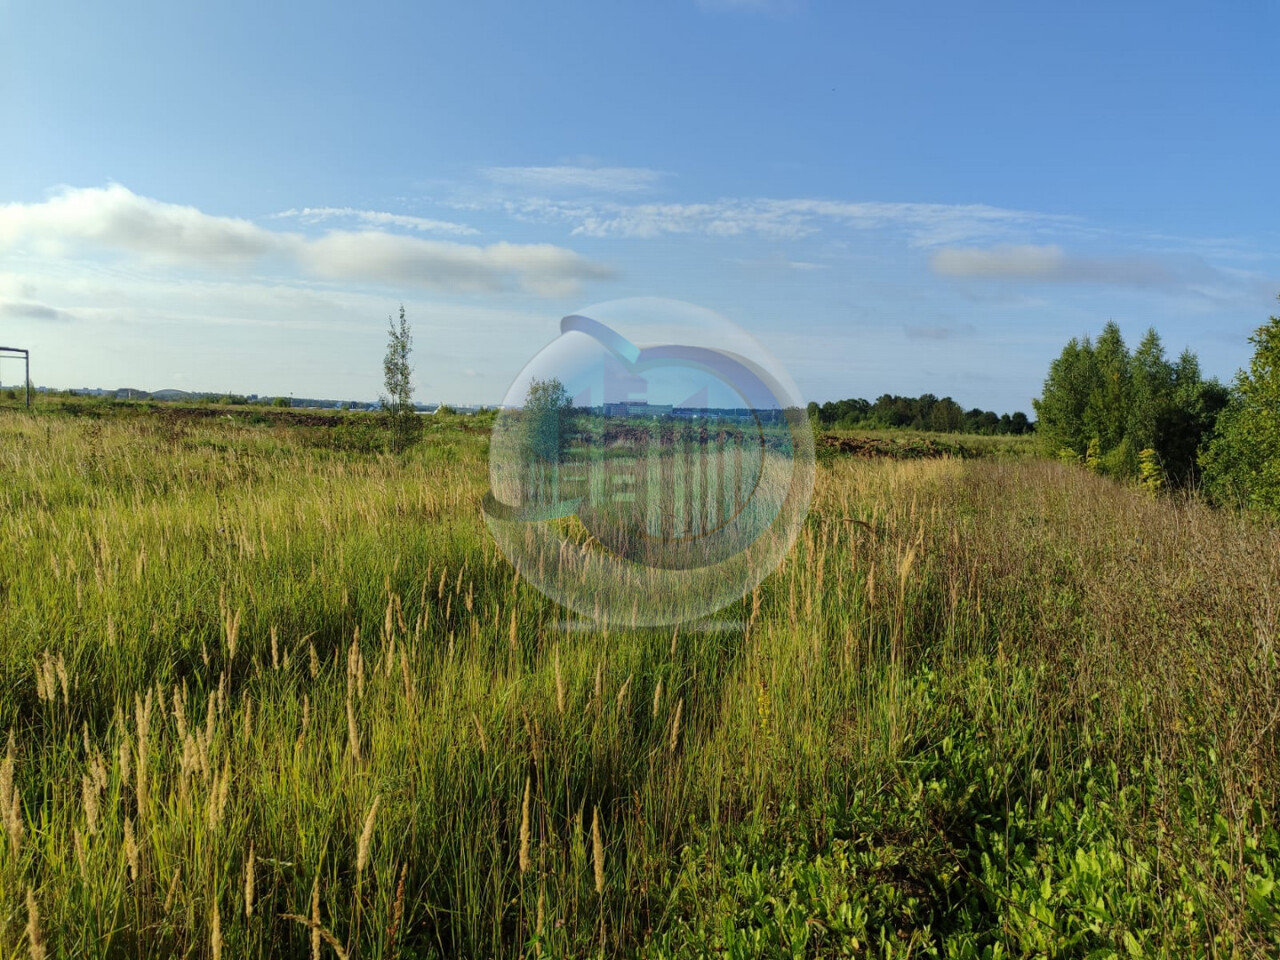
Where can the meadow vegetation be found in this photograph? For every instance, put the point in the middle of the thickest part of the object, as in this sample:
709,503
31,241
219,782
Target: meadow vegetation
266,694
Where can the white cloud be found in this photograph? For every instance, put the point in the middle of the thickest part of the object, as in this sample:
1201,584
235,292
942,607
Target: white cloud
114,219
587,179
543,269
379,218
1050,264
249,334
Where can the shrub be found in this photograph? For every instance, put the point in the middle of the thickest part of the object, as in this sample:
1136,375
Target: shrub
1242,462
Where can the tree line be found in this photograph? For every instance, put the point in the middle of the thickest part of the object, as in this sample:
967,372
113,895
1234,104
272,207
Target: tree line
1141,416
925,412
1115,410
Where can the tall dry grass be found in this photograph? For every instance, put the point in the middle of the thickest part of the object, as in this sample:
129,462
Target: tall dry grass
265,699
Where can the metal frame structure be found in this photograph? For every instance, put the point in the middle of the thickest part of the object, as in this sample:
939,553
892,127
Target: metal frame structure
26,363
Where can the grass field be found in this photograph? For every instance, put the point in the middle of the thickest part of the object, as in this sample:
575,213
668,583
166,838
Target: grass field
268,693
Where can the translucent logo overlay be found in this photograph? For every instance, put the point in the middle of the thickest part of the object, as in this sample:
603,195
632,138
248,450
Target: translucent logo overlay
649,466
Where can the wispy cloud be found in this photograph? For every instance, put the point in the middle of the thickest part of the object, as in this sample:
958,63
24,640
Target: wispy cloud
114,219
938,331
1050,264
378,218
923,224
779,262
31,310
575,178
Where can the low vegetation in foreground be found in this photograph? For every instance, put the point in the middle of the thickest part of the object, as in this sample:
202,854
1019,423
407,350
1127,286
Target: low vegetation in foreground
268,696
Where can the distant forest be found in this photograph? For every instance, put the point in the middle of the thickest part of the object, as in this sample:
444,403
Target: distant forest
925,412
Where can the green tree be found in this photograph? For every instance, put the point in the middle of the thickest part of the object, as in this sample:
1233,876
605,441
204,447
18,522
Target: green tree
545,418
1060,409
1105,407
1151,386
1106,411
397,377
1187,420
1242,461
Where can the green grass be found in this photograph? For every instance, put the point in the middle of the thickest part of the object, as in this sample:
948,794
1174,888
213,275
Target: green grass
967,446
986,708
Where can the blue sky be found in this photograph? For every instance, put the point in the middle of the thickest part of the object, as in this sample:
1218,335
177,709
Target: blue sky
917,197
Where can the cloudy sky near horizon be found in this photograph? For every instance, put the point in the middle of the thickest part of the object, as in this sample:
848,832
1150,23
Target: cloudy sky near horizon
916,198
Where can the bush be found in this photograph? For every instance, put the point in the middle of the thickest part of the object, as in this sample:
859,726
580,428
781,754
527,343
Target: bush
1242,462
1104,405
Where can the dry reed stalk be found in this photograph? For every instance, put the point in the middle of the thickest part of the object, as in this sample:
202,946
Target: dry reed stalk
355,665
484,742
82,859
559,683
35,943
248,882
130,848
597,850
125,757
623,693
180,713
173,889
353,734
89,799
315,919
44,678
904,569
524,824
397,912
366,835
10,802
231,626
215,935
408,679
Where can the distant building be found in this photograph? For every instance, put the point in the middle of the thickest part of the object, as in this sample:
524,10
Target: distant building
637,408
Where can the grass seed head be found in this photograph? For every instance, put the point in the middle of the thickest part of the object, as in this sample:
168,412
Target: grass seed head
366,836
35,943
597,850
248,882
524,825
